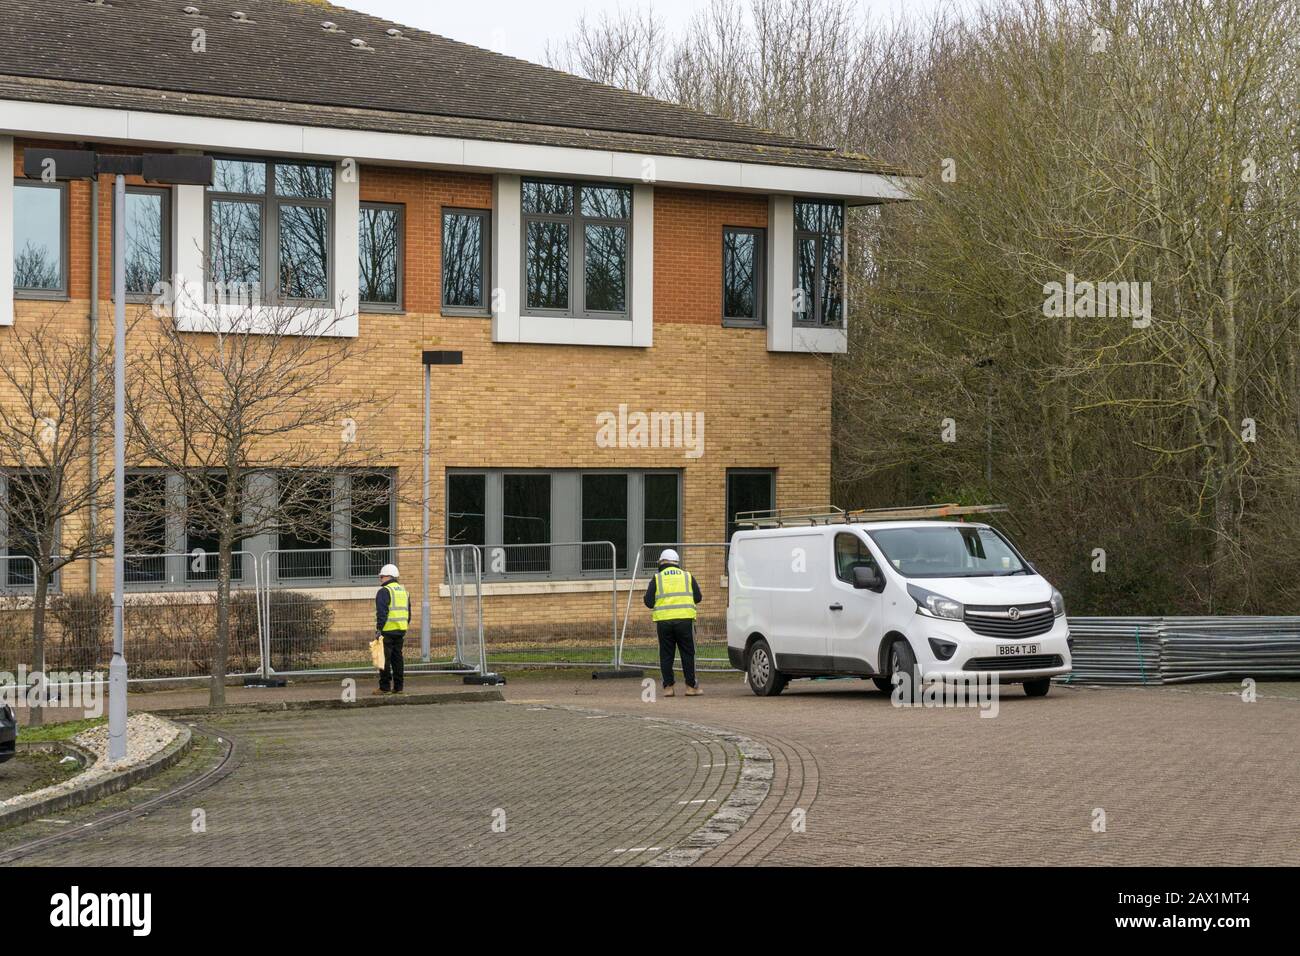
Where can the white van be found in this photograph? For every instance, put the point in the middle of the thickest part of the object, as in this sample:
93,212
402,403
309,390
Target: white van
870,599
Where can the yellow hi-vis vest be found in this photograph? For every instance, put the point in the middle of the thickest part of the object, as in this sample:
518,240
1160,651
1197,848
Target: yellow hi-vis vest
399,608
674,595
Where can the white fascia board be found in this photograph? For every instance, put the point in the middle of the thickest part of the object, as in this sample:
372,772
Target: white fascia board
6,230
139,127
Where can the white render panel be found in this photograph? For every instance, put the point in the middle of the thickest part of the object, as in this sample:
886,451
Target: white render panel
507,264
6,230
780,273
347,248
643,265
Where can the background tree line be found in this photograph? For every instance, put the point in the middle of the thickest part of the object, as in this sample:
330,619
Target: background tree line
1140,141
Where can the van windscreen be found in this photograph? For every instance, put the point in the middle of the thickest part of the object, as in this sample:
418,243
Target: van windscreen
948,551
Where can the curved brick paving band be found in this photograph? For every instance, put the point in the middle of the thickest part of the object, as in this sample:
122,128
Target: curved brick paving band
577,787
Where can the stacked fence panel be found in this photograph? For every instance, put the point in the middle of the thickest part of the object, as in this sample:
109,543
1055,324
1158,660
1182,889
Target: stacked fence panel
1130,650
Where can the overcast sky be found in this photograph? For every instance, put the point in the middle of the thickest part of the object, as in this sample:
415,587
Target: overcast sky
522,27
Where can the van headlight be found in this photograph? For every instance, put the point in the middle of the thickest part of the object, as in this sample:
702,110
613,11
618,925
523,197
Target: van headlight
936,605
1058,603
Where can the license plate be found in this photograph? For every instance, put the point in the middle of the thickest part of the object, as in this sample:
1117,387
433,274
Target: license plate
1017,650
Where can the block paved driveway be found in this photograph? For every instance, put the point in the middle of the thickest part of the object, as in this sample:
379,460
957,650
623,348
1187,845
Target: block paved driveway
420,785
1185,776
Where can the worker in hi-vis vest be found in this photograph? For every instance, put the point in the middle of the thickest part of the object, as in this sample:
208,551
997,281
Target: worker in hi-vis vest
672,596
392,618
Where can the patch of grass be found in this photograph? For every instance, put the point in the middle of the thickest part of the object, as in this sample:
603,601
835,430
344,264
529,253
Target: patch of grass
34,771
64,731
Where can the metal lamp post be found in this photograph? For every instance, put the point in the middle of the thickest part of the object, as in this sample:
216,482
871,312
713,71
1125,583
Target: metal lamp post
430,359
166,169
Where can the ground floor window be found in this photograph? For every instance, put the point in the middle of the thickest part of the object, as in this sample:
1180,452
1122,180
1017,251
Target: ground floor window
542,523
332,528
748,489
22,503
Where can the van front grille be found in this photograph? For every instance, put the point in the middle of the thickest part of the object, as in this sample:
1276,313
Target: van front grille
1030,620
1029,663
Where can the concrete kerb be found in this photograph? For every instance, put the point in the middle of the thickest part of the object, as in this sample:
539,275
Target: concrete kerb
757,771
165,759
281,706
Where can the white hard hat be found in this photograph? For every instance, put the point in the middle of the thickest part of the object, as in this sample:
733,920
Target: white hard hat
389,571
669,556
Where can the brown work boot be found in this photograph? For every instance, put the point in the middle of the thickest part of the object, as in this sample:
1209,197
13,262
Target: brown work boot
669,692
378,692
695,691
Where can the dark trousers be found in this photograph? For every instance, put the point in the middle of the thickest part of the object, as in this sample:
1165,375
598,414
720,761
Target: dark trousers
394,673
672,636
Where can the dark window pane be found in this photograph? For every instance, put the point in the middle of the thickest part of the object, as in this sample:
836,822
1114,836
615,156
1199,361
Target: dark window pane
144,241
204,507
236,249
237,176
25,510
304,182
832,282
739,275
554,199
145,528
606,202
372,524
606,280
380,247
307,508
462,260
818,217
747,492
38,237
805,300
304,252
604,518
526,520
547,264
661,510
466,509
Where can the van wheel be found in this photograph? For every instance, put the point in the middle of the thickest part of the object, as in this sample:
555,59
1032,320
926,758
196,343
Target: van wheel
903,661
764,679
883,684
1038,688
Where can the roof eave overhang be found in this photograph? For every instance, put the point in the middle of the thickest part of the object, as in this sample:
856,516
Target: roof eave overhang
173,130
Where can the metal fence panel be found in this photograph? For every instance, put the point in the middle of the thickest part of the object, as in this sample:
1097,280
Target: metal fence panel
707,562
552,605
318,609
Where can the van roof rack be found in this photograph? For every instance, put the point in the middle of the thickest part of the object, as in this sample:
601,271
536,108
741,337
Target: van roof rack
830,514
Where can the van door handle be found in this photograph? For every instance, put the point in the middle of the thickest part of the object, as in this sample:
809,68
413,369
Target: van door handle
837,607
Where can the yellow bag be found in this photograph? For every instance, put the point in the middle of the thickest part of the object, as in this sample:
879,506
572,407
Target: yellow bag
377,653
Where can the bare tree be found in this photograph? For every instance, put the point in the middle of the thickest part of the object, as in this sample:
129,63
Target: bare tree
248,409
58,398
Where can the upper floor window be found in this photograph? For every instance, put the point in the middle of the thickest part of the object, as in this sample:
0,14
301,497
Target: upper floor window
40,239
381,257
269,238
148,240
576,239
465,263
818,264
742,276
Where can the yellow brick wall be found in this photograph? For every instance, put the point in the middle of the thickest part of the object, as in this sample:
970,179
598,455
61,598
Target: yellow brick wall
517,405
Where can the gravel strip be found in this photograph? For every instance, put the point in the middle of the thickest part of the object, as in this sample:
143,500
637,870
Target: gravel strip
147,735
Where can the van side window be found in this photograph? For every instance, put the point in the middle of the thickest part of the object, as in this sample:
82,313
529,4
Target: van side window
850,552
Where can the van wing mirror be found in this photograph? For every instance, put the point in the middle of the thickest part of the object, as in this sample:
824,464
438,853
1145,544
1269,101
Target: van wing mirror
867,577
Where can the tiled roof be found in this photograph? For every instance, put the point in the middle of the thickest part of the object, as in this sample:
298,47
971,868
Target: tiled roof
274,59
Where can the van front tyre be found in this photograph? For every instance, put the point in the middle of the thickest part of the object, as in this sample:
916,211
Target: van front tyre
764,679
1038,688
902,661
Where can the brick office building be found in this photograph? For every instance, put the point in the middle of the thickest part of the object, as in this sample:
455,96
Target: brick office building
594,254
